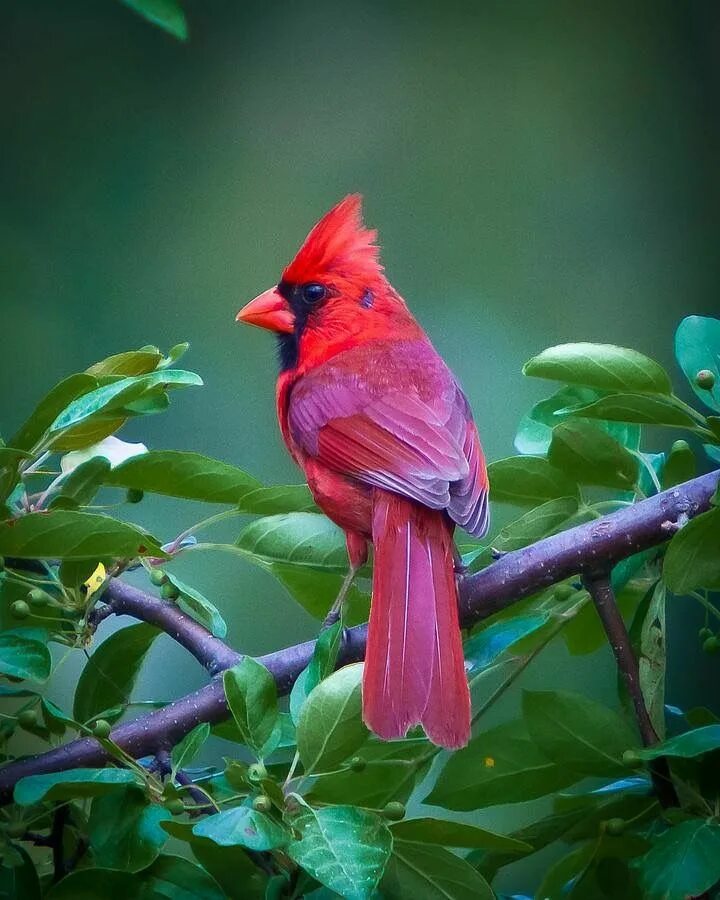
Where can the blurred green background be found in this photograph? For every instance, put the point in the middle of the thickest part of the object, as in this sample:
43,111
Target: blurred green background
539,173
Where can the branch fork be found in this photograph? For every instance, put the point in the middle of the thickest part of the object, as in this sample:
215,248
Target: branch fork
586,549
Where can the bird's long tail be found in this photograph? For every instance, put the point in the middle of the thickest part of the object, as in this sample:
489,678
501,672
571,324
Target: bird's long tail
414,667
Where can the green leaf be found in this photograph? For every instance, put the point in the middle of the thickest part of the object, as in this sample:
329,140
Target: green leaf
252,697
174,354
391,772
81,485
431,873
693,556
109,675
19,882
697,347
189,747
198,607
644,409
690,744
55,719
567,873
124,830
537,835
71,534
330,727
279,498
115,396
712,452
428,830
680,465
168,878
652,658
502,765
231,867
683,862
574,821
577,733
301,539
50,408
175,878
166,14
528,481
243,826
72,783
181,473
485,647
601,366
535,430
23,656
588,454
131,362
343,847
321,664
315,591
533,525
283,735
85,885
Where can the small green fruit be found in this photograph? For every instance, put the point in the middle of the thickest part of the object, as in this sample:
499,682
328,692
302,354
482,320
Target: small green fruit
615,827
563,592
358,763
705,633
262,803
705,379
38,597
27,718
169,592
157,577
134,495
175,806
631,759
102,728
680,447
20,609
394,811
711,645
256,772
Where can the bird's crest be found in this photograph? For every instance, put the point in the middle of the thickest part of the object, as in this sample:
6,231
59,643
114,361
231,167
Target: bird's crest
339,243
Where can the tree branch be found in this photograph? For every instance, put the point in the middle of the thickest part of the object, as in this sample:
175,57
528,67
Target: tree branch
516,575
214,654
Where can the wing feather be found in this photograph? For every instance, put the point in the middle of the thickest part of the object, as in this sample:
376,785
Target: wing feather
391,415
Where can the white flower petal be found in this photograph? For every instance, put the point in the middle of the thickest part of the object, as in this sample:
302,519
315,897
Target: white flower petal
112,448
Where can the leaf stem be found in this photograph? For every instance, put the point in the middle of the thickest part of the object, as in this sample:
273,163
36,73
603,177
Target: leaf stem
703,601
203,523
522,663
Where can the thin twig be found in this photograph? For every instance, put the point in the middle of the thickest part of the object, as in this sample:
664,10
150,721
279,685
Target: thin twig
600,589
57,834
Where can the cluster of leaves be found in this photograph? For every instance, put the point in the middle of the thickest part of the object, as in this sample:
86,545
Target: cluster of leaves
310,804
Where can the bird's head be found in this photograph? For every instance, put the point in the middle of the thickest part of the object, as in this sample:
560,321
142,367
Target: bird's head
332,293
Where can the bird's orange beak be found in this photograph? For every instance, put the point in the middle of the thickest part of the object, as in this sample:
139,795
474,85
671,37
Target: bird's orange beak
269,310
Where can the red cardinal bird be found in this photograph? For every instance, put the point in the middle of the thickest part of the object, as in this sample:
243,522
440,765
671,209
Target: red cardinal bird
386,439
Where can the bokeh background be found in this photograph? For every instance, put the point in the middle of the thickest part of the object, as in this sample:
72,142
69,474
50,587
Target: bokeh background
539,173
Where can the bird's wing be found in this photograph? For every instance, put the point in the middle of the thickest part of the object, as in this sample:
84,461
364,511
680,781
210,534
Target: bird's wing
391,415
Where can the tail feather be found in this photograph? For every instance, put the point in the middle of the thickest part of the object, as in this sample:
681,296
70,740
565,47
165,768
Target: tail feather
414,666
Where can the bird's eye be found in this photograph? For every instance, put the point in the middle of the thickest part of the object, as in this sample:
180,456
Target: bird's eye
313,293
